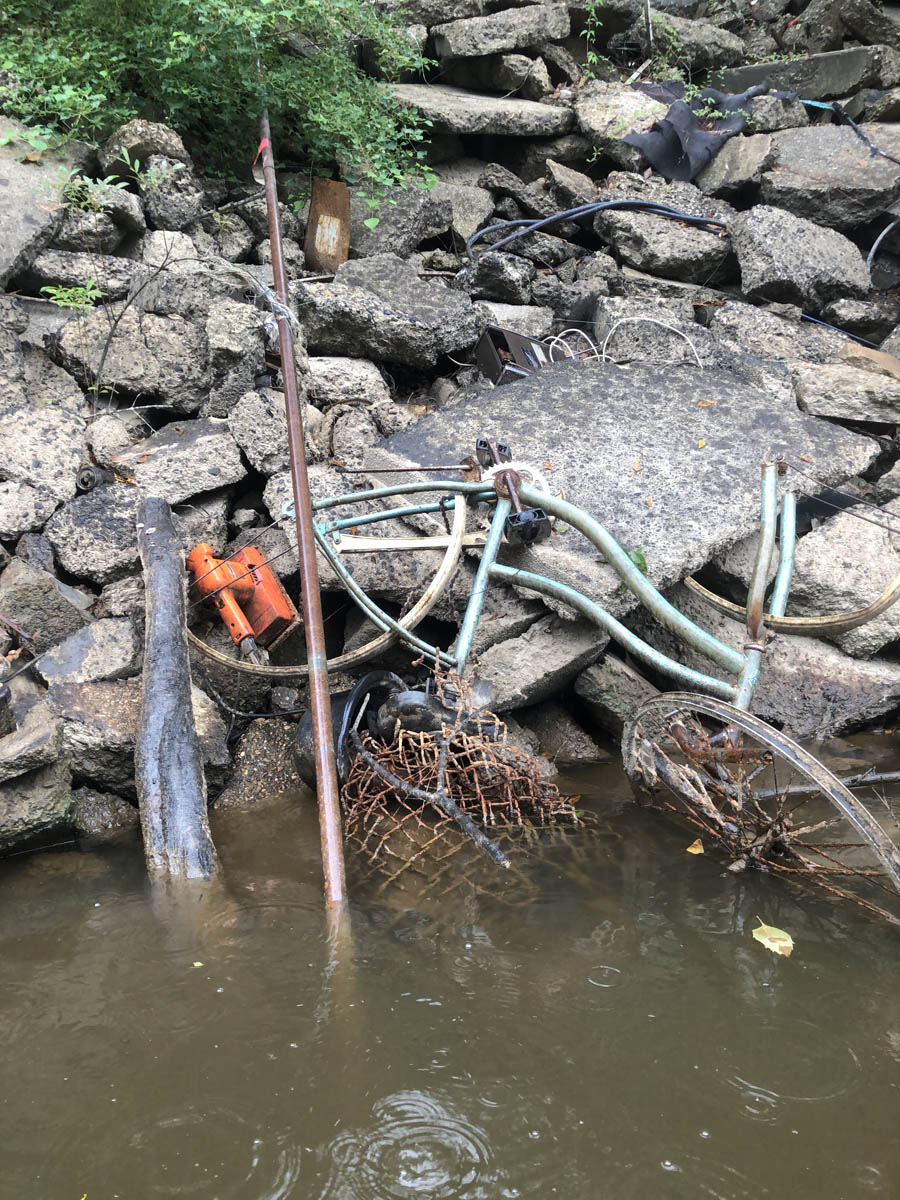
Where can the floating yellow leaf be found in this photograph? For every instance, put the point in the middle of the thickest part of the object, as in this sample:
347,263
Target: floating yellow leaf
700,444
649,502
774,939
705,403
197,964
696,847
637,465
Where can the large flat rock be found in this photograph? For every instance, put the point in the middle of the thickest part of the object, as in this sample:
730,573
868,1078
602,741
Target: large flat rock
668,458
453,110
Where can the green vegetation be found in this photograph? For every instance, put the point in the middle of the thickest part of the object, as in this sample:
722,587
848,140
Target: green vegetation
208,68
79,298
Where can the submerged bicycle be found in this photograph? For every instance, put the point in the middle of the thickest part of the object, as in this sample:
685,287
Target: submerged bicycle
699,753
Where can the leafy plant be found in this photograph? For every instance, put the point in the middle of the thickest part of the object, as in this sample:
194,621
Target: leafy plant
209,67
590,33
80,297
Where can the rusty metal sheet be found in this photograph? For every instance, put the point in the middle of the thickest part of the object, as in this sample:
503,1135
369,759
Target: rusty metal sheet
328,228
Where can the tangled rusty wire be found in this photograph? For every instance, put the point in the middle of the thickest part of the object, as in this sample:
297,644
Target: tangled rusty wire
416,802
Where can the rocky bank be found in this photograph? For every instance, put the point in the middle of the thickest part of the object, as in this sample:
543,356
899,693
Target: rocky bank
151,362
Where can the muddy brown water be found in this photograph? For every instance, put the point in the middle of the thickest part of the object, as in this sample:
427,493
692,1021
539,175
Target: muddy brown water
616,1032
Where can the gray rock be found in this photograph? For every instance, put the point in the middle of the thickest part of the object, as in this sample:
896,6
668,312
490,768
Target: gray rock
661,245
843,565
606,112
611,692
41,605
140,139
521,318
737,166
528,159
543,249
105,649
453,110
827,171
750,330
180,461
49,386
560,737
695,45
570,303
172,194
174,251
13,321
93,535
783,257
431,12
872,319
345,381
237,354
505,73
223,235
35,807
379,308
101,722
23,508
502,31
35,743
821,76
264,768
686,502
470,207
406,217
162,360
846,392
498,276
569,188
204,520
770,113
113,276
36,550
651,329
294,258
121,598
30,212
124,207
807,687
817,30
540,662
112,432
870,23
258,425
88,231
41,447
103,817
533,201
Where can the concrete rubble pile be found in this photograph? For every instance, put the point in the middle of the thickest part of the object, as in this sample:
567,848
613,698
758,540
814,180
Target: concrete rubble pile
171,383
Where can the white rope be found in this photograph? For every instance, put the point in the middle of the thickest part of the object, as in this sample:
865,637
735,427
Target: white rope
558,340
650,321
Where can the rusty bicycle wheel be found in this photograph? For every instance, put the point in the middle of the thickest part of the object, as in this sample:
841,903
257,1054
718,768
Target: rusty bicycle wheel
765,801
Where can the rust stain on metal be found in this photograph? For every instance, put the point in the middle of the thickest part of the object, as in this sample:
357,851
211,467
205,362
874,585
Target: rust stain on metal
328,229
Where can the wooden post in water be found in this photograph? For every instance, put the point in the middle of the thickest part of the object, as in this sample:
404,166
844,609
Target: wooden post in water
168,765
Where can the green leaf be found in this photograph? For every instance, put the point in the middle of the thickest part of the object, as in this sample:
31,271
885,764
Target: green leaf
371,222
639,558
774,939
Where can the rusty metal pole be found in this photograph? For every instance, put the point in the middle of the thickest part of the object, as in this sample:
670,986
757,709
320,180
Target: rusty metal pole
319,698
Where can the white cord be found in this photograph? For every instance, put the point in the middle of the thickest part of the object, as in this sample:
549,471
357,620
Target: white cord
650,321
558,341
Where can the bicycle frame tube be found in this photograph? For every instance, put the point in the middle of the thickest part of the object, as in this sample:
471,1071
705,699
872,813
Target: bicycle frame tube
756,595
479,588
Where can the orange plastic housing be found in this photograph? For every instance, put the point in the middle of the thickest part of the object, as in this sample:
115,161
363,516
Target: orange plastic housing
248,594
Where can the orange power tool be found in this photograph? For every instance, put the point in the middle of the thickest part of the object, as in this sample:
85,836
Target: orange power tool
256,609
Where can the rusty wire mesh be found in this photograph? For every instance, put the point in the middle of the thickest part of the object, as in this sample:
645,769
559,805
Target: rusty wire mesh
498,785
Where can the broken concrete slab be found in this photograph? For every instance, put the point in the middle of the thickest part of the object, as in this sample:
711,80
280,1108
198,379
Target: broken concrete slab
182,460
784,257
30,207
821,76
336,380
103,817
236,344
696,44
13,322
843,565
529,320
826,171
23,508
737,166
497,276
259,426
406,217
846,393
47,609
453,110
264,767
527,669
379,308
667,458
93,535
42,447
611,692
35,807
36,743
105,649
501,31
54,267
806,687
160,360
88,231
470,206
560,737
606,112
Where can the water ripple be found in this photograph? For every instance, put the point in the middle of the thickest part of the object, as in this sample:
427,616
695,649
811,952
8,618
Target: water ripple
414,1147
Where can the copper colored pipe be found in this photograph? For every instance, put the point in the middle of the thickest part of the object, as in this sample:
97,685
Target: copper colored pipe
319,699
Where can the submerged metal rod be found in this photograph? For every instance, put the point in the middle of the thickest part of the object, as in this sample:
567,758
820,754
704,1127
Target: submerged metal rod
319,699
